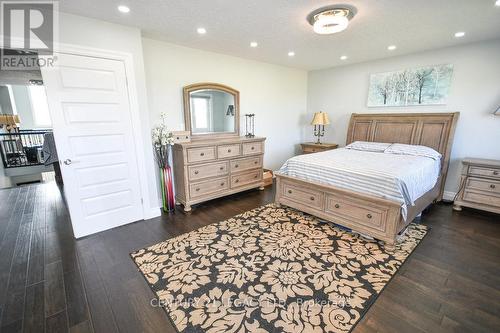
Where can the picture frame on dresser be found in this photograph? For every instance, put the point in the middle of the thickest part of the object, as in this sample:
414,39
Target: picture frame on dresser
217,161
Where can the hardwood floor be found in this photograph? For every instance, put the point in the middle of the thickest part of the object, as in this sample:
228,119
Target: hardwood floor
51,282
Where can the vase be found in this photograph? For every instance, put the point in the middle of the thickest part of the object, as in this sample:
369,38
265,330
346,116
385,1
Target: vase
167,189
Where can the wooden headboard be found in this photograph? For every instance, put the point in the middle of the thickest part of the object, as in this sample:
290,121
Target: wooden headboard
435,130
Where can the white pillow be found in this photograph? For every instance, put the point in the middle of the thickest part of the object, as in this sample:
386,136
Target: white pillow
414,150
368,146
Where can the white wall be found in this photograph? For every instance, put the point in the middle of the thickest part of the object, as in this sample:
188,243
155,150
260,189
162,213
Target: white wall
78,30
277,95
474,92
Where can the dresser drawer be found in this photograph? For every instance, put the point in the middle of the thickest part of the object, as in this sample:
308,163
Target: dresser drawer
200,154
482,198
252,148
309,150
246,178
355,209
228,151
305,196
483,185
246,163
484,172
207,187
215,169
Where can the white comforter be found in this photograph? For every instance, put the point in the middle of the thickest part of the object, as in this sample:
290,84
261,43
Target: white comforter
401,178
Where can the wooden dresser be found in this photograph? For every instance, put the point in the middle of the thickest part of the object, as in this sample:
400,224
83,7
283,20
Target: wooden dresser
212,168
479,185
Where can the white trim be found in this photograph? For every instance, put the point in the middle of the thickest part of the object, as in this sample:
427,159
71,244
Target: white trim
448,195
152,213
128,61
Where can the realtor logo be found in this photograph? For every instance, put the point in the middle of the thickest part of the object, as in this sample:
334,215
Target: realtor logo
28,29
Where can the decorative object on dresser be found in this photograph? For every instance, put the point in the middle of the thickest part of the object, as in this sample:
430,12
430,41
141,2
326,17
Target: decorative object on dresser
377,217
217,162
319,121
163,139
479,185
313,147
250,125
181,136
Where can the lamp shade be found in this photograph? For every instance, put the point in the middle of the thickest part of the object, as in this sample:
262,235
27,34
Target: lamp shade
320,118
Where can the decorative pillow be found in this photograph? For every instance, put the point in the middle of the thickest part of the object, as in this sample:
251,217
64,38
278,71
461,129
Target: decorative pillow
414,150
368,146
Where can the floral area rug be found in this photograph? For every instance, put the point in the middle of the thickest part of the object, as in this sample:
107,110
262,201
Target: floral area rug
270,269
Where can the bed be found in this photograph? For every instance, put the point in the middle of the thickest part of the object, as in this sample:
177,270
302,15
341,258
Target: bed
373,193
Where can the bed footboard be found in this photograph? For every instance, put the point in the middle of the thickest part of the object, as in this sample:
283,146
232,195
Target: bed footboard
375,217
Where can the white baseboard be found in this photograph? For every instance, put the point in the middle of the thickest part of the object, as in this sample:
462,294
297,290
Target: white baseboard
447,195
152,213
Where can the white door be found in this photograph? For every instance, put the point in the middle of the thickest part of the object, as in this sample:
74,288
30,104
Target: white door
90,110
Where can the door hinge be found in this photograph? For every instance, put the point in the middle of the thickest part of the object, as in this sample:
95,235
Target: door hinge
142,200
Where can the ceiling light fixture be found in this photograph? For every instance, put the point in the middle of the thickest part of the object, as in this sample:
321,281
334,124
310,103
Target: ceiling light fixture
332,19
344,57
123,9
291,54
201,31
254,44
391,47
459,34
497,3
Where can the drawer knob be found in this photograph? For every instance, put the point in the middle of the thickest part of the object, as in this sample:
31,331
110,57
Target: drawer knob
237,181
236,165
187,137
197,189
229,150
196,172
492,186
178,138
202,154
312,198
252,148
255,162
289,191
221,168
221,184
337,206
256,176
369,216
495,173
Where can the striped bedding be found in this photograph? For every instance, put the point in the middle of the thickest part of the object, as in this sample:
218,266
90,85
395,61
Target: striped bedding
401,178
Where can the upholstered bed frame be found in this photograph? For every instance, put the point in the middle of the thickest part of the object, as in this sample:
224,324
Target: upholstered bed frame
377,217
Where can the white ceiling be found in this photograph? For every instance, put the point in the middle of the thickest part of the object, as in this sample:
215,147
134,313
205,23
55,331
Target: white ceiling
280,26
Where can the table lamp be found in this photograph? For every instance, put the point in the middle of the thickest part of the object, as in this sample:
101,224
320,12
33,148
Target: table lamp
319,121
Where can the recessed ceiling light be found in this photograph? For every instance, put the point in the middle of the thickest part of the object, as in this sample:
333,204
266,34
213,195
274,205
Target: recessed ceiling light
201,31
459,34
344,57
497,3
391,47
254,44
123,9
291,54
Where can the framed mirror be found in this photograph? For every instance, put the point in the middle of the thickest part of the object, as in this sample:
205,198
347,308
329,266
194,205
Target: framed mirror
211,110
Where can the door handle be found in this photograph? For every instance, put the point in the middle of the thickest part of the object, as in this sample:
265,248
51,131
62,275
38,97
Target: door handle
67,161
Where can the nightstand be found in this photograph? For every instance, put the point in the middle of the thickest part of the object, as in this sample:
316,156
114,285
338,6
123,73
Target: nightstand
480,185
312,147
